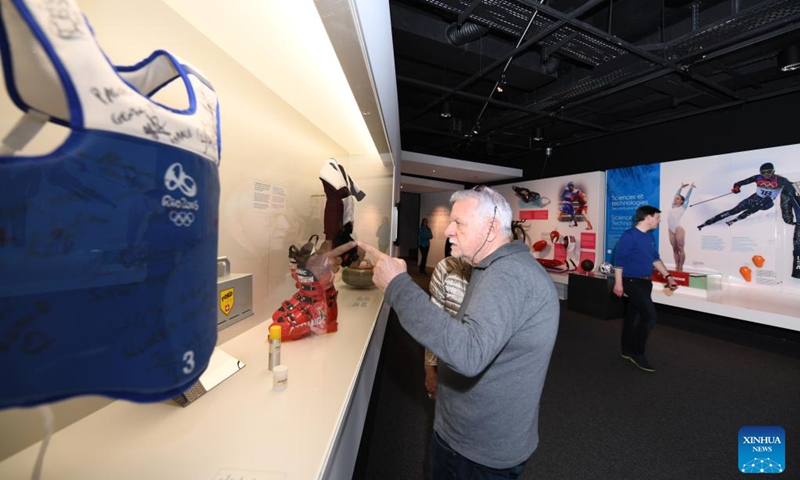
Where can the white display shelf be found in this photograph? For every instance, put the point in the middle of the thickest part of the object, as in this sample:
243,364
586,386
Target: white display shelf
742,303
241,428
733,301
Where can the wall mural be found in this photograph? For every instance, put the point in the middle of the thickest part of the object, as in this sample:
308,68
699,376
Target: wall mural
734,216
560,218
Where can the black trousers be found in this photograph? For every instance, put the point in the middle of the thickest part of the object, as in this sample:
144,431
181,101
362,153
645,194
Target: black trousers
746,207
640,314
423,260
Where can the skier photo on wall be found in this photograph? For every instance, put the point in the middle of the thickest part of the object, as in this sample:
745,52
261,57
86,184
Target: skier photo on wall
768,188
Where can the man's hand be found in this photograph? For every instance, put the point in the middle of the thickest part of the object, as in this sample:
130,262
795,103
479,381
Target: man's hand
672,284
326,261
386,267
430,381
735,189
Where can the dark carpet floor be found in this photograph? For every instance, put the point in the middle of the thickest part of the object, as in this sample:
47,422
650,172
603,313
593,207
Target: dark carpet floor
602,418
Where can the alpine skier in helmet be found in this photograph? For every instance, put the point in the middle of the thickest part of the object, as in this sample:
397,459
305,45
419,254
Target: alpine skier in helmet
768,188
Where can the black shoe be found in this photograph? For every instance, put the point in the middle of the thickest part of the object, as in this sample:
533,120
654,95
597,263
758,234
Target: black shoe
625,355
641,362
700,227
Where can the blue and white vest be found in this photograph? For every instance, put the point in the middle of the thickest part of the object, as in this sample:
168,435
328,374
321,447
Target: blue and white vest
108,245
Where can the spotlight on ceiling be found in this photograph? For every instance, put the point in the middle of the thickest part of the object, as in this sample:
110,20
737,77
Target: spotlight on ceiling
789,58
501,85
477,128
537,135
445,110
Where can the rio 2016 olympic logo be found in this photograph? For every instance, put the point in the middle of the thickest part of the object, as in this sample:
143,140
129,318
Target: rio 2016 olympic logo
176,178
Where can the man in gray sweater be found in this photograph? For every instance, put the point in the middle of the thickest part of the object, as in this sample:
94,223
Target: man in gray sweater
493,360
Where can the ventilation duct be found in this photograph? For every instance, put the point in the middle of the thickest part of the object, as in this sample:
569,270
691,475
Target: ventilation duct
466,33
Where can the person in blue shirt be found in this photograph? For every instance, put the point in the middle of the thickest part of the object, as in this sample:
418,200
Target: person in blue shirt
425,236
635,258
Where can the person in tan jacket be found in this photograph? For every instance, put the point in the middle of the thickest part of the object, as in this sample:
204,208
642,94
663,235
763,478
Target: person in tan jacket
447,287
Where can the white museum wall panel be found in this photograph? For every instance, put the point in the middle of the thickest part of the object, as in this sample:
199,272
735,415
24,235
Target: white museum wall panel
728,248
547,215
739,247
436,208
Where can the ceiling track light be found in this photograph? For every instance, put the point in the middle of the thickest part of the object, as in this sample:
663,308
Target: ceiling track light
537,135
789,58
501,84
445,110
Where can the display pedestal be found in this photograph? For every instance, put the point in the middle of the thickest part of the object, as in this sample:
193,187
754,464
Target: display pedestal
220,366
697,284
593,294
560,281
242,428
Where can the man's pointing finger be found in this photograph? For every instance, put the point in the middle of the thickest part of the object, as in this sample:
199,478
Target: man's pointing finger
370,250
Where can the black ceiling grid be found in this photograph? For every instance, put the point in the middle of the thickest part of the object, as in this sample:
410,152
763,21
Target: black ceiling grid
584,70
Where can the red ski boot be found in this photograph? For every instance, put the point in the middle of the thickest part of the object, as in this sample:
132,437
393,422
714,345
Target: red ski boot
307,311
333,308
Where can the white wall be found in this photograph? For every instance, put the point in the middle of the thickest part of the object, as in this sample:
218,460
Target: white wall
589,236
436,208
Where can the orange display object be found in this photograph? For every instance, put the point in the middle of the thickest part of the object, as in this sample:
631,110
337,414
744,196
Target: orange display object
758,261
746,273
